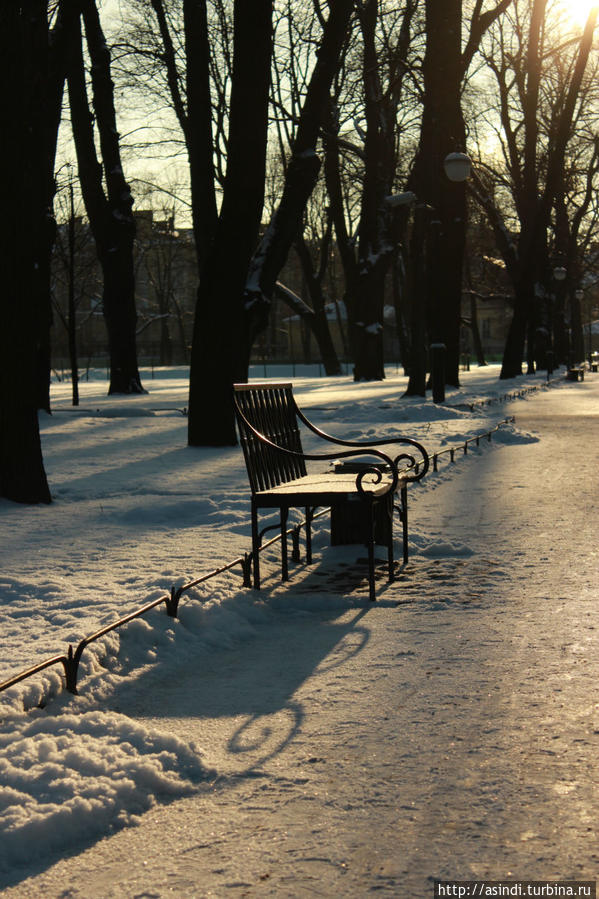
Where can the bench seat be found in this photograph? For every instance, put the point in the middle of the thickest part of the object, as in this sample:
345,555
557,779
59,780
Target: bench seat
326,489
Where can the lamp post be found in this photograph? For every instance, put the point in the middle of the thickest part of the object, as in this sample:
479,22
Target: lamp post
576,329
559,276
579,298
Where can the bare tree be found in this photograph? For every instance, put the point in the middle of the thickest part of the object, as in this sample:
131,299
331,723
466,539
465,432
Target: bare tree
218,356
364,130
535,140
301,175
445,67
74,274
236,290
297,30
180,53
107,196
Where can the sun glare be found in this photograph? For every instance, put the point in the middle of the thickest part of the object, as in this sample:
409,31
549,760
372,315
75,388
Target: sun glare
579,9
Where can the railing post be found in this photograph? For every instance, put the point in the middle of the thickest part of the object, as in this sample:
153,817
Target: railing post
246,567
295,544
71,667
172,602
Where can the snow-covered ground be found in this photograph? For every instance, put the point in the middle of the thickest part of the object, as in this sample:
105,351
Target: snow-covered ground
243,701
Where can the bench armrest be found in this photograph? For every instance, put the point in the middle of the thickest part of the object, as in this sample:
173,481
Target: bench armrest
417,459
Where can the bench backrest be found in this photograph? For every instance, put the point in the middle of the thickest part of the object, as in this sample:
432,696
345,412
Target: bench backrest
270,409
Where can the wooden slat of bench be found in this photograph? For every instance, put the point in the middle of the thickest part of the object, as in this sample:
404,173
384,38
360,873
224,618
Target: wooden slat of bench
324,489
271,410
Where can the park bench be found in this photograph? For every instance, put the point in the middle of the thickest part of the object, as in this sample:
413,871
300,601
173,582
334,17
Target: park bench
575,373
362,495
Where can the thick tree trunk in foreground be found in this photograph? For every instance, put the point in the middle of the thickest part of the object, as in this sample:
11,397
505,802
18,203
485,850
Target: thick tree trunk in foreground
56,74
235,294
217,359
23,154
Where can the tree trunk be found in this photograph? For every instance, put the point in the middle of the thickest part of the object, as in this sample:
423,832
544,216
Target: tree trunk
55,79
198,127
301,174
477,343
110,214
442,132
218,356
513,353
71,314
576,326
232,313
369,363
318,321
24,153
345,243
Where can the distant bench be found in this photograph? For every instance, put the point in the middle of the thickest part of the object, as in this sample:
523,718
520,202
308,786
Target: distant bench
575,373
361,495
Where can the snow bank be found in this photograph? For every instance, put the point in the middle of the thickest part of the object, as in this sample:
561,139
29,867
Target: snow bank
69,778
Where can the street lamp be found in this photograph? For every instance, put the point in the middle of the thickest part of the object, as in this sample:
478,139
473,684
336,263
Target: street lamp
560,273
457,166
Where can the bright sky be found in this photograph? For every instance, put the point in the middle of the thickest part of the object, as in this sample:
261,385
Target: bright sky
579,9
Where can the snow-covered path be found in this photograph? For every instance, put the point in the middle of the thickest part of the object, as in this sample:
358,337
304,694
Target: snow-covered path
450,731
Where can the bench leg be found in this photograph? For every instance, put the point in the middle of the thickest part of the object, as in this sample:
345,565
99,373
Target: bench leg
370,545
390,557
295,544
284,562
308,536
404,521
255,547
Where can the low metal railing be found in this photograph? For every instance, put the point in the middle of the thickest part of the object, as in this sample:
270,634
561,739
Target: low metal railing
70,661
452,450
